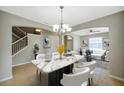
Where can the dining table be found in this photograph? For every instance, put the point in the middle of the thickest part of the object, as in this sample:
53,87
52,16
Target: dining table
52,71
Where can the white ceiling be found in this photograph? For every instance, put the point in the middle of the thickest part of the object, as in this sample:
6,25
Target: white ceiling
73,15
97,30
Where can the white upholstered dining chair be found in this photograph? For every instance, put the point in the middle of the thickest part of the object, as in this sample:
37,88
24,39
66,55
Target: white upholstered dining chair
77,78
39,58
91,65
55,55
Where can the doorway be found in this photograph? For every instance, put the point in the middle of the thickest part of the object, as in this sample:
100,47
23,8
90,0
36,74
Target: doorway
68,42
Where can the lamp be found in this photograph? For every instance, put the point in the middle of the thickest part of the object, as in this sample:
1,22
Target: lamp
38,30
62,28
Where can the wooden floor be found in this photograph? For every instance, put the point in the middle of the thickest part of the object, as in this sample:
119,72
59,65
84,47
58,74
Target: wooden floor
25,75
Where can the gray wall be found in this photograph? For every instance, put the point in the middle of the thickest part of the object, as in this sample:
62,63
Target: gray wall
54,41
6,22
86,37
115,23
26,54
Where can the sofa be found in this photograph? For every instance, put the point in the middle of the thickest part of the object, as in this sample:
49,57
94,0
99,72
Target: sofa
98,53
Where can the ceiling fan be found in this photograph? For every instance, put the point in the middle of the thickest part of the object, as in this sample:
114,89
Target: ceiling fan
92,31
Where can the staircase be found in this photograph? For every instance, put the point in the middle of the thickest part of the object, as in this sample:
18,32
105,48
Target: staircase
19,40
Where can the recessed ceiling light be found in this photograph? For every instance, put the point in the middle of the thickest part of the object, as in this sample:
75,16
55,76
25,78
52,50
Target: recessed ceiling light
38,30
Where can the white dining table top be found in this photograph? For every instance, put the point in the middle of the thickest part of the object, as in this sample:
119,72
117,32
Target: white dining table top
53,65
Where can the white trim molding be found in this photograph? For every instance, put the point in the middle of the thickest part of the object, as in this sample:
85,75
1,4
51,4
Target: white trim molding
6,78
20,64
116,77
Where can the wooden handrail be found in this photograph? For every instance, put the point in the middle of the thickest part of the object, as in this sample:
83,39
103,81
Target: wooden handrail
16,35
19,40
21,30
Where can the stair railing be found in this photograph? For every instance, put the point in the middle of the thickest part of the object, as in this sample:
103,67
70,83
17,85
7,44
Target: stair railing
21,30
19,44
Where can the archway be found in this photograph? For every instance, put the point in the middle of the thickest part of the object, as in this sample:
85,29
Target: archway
68,42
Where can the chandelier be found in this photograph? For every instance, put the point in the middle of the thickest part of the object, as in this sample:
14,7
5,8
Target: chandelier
62,28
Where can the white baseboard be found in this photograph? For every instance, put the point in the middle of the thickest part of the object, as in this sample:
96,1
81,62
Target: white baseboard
20,64
6,78
116,77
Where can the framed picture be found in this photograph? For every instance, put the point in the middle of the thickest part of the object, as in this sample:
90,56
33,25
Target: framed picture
84,43
105,42
46,42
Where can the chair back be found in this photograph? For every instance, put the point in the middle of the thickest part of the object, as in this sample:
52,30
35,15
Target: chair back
55,55
76,79
107,56
91,65
40,57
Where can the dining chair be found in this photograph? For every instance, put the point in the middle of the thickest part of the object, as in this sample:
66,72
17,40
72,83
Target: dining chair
40,67
91,65
39,58
55,55
77,78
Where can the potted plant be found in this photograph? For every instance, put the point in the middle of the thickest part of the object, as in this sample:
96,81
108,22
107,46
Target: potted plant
80,51
36,50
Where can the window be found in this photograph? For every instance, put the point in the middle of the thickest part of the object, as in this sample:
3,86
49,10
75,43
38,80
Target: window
95,43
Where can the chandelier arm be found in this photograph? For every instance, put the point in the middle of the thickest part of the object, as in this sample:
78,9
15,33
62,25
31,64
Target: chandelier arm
62,28
61,24
61,18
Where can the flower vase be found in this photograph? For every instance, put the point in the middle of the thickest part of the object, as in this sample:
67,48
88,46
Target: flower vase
60,56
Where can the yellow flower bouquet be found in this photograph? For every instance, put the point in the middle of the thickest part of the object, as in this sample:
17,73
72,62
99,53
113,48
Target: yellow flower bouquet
61,50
